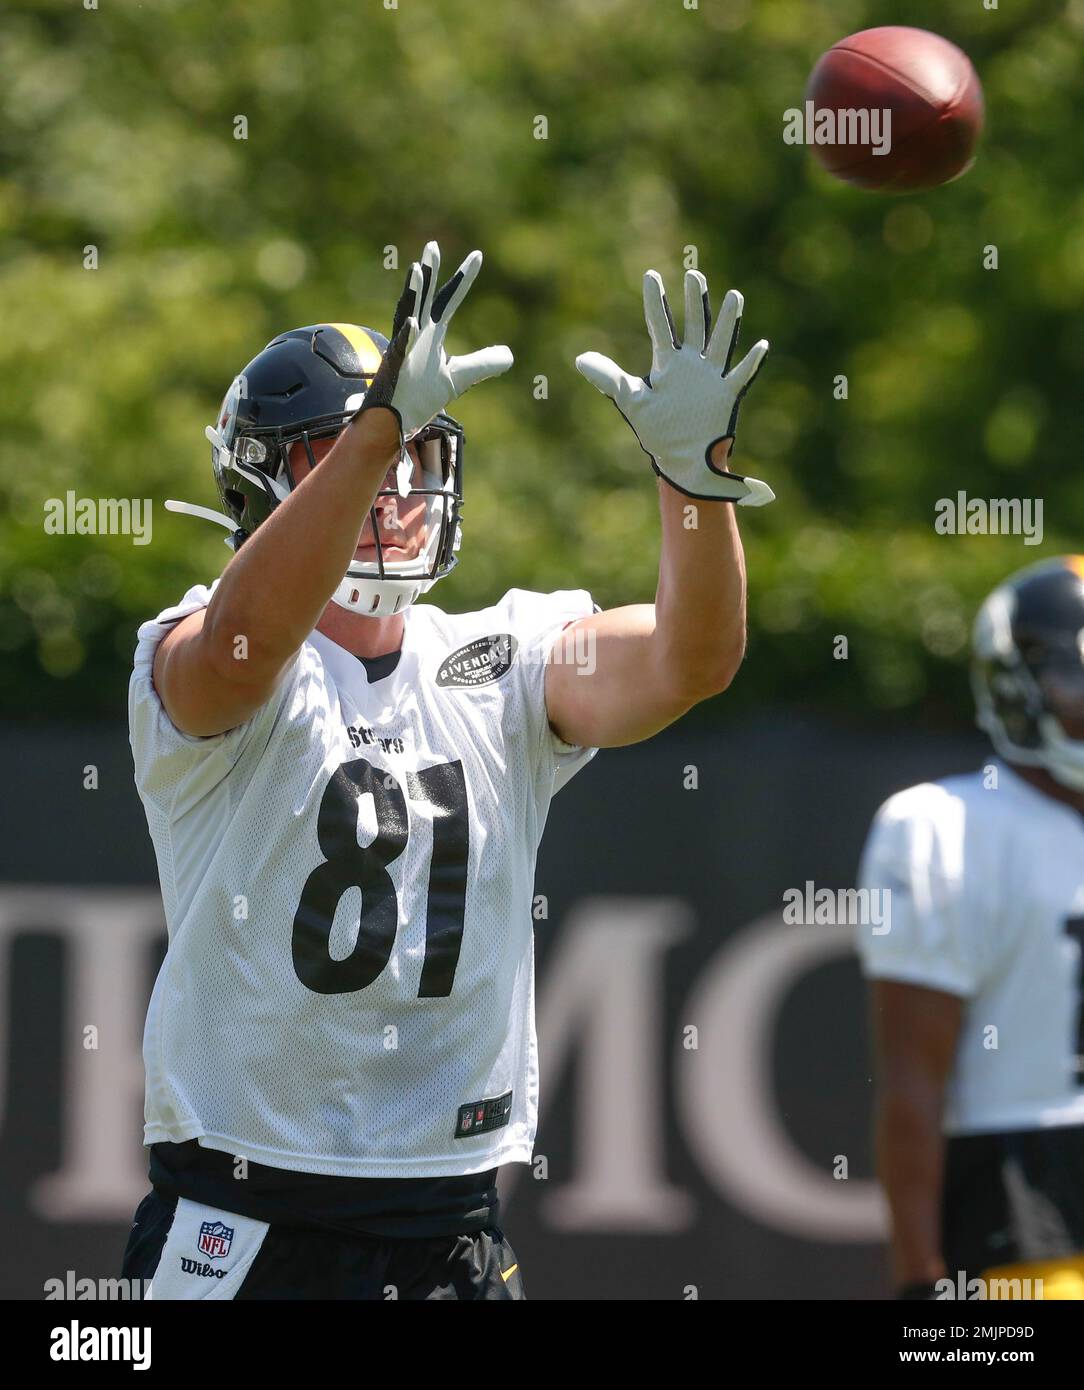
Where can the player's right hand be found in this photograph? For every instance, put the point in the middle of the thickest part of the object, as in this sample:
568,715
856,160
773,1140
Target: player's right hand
417,379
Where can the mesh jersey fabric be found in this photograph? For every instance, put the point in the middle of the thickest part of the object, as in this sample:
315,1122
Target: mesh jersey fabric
347,880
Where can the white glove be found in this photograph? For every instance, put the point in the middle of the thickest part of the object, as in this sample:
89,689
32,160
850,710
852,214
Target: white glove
428,379
689,400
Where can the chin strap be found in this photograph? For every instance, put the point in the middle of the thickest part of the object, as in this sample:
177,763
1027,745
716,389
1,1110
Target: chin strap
216,439
193,509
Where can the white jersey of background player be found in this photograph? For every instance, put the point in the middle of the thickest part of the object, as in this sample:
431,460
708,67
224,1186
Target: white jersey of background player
346,791
986,923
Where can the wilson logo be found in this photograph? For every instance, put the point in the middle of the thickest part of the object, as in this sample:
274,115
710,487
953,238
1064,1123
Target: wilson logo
205,1271
484,660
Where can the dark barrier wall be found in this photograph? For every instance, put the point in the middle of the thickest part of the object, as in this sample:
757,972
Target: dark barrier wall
705,1082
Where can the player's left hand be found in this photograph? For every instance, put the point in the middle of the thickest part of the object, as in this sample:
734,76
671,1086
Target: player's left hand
688,402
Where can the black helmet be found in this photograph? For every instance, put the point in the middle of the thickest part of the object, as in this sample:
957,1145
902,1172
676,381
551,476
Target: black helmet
307,384
1028,662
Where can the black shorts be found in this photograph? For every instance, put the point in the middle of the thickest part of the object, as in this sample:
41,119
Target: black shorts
1012,1198
288,1262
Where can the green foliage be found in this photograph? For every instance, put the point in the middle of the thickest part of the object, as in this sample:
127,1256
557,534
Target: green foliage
370,128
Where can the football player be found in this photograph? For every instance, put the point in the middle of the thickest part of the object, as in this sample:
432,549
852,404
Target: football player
976,983
346,790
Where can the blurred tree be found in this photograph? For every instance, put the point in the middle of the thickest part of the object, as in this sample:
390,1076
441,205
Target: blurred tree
370,128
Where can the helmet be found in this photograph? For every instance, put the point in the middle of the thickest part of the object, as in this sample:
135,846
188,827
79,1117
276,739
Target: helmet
1028,666
307,384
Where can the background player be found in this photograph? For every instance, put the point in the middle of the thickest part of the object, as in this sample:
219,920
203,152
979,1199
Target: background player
976,986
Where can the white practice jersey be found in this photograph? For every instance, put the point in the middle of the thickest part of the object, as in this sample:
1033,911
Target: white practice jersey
348,880
987,902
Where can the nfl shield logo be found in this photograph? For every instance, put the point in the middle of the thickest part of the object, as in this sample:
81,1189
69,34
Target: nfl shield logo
215,1239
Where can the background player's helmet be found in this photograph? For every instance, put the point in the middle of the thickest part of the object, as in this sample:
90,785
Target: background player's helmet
305,385
1028,663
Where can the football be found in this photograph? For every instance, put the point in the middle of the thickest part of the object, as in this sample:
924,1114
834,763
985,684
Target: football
895,109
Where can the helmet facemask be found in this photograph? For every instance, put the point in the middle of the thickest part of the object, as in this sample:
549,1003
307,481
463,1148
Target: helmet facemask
1062,691
419,514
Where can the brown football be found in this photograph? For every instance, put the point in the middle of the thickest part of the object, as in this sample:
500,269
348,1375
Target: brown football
928,89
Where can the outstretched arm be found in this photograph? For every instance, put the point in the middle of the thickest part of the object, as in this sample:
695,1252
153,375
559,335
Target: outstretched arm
621,676
632,671
275,588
